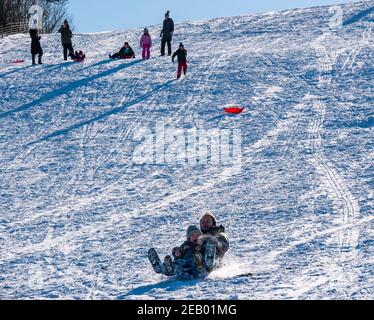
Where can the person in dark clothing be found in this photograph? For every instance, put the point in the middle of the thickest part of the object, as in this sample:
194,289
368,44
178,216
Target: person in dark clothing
126,52
211,231
79,56
181,53
188,262
167,34
185,265
66,36
36,48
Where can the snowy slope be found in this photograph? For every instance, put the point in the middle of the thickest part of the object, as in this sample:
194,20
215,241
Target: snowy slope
78,215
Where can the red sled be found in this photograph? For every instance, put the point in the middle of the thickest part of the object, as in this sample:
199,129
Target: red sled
17,61
234,110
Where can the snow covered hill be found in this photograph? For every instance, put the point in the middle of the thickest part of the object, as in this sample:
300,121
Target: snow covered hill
78,213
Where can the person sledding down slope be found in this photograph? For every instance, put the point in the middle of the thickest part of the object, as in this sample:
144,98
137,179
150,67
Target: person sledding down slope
126,52
199,255
214,241
187,263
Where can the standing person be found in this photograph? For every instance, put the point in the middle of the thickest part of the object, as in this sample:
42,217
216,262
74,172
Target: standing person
181,53
146,44
66,36
36,48
167,34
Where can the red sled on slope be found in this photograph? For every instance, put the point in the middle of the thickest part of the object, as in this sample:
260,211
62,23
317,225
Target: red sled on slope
233,109
17,61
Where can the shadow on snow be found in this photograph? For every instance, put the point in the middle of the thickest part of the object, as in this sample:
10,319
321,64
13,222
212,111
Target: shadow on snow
168,285
70,87
104,115
358,16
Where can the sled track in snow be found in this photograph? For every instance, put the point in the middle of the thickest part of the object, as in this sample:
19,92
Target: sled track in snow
341,193
202,80
122,219
110,187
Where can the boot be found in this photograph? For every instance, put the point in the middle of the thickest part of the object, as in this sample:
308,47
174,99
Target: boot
155,261
198,258
210,254
168,264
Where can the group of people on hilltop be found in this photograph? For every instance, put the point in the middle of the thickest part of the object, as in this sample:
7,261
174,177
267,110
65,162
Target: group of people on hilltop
126,52
66,36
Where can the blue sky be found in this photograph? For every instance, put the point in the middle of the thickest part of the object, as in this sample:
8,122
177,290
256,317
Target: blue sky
94,16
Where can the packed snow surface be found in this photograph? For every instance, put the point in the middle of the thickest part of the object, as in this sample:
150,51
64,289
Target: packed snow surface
78,213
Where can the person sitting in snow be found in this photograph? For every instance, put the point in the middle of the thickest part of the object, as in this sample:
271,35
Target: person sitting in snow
146,44
214,235
79,56
126,52
187,263
181,53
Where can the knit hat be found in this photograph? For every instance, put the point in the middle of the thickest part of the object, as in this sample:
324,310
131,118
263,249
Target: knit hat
65,21
191,230
181,45
167,14
146,30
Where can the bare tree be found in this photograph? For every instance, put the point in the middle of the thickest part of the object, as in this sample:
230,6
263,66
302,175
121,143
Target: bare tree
17,11
55,12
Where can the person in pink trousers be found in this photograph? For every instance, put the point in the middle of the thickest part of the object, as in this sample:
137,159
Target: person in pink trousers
146,44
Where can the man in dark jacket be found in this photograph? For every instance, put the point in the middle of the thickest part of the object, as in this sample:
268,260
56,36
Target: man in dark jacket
126,52
36,48
66,36
181,53
167,34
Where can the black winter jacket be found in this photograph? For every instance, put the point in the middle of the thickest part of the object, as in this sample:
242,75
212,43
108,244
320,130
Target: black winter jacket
187,250
66,35
127,52
36,48
168,28
182,55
